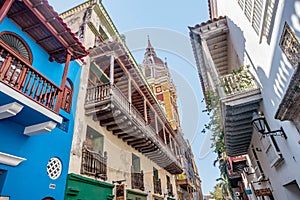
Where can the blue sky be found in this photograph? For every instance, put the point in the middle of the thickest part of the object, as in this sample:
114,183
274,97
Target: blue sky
166,22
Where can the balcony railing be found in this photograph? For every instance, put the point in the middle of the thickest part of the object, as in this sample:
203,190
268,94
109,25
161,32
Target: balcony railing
93,163
137,180
18,74
237,83
157,185
104,92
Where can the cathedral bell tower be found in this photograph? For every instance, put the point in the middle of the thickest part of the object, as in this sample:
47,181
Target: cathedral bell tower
158,76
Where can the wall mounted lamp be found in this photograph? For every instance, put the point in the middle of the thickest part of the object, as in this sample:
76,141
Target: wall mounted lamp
260,124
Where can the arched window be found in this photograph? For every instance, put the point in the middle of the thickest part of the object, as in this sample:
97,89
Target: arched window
17,44
147,72
67,96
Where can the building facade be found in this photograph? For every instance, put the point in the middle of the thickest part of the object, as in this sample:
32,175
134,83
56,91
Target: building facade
39,82
260,116
159,78
123,145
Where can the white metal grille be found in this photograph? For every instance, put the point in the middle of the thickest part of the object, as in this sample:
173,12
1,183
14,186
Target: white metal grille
54,168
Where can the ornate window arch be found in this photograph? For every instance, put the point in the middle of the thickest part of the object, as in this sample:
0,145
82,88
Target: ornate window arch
67,96
17,44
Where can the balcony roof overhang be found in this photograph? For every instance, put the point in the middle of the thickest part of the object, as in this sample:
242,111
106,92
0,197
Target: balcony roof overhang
237,111
100,56
135,133
39,20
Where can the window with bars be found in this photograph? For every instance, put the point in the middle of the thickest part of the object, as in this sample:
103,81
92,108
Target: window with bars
260,15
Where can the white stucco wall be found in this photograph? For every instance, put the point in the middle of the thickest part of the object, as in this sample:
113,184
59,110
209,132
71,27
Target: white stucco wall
273,71
119,153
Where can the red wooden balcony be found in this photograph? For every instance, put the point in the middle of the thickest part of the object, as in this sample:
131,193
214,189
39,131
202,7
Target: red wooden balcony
19,75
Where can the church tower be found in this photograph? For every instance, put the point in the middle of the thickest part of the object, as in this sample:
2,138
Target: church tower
158,76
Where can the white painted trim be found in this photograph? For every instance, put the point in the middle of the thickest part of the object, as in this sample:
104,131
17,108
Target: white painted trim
22,98
10,110
11,160
39,128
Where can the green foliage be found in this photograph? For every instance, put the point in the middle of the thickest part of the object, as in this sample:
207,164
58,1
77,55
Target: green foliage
215,123
220,191
239,80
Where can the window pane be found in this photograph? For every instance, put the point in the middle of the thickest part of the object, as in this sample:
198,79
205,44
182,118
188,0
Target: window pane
94,140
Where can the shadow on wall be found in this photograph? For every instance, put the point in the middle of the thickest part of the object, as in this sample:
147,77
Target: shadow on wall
281,69
237,40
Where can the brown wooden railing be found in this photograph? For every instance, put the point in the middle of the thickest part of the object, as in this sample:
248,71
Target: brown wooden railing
137,180
17,73
93,163
157,185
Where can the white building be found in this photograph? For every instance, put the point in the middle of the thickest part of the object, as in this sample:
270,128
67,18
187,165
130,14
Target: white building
123,146
263,34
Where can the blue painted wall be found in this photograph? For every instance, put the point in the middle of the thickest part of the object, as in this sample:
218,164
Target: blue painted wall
29,180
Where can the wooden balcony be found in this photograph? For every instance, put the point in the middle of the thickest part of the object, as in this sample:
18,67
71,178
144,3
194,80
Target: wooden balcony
239,93
94,164
137,180
18,74
108,105
240,97
157,185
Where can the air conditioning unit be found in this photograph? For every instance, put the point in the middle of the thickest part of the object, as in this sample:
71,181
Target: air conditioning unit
237,194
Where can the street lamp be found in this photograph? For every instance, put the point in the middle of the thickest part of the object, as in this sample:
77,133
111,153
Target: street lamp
260,124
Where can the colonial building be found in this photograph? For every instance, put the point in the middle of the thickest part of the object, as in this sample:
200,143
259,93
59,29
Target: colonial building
123,146
260,115
159,78
39,82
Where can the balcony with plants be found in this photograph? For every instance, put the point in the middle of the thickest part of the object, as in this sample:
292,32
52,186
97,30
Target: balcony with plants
230,91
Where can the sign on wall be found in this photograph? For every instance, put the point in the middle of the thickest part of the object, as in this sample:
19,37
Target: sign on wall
263,192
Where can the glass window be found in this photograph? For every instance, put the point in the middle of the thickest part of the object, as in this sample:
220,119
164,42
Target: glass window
94,140
136,164
155,173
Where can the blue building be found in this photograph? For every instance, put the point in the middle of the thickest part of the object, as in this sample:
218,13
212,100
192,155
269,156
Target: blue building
39,77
